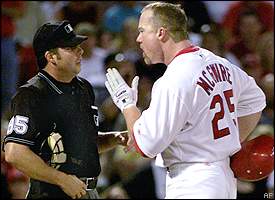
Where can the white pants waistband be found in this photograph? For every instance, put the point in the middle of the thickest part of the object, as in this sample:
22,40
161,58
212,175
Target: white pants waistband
178,167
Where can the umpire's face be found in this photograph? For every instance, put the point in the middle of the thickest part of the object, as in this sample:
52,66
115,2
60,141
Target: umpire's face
149,39
67,60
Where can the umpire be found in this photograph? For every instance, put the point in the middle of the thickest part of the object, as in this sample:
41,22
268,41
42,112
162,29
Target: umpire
53,134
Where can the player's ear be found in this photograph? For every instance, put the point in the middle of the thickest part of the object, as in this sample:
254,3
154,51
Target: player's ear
162,34
51,58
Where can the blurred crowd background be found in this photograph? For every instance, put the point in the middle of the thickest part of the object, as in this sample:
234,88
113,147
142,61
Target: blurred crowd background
241,31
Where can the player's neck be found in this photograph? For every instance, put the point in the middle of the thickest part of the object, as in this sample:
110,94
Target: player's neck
172,48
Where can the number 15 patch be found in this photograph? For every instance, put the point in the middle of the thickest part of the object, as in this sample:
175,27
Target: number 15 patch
18,124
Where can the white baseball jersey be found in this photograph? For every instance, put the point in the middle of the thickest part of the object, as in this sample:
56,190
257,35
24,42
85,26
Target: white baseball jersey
194,107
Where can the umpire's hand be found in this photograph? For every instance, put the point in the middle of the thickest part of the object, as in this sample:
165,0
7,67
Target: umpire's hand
122,137
72,186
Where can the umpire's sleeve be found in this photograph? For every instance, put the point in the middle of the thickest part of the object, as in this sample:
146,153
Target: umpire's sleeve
25,113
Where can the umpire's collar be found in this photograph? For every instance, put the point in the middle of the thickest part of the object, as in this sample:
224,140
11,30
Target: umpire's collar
59,87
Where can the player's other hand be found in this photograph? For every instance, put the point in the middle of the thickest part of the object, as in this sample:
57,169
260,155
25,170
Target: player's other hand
123,95
130,145
72,186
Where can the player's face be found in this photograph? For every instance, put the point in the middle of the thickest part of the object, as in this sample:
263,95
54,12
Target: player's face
148,40
70,58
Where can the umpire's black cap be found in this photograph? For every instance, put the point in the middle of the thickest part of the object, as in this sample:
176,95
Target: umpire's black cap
53,35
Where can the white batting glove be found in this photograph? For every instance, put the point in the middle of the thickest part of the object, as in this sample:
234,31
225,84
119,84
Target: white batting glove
123,96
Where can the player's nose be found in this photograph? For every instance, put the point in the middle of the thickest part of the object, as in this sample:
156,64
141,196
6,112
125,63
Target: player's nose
138,40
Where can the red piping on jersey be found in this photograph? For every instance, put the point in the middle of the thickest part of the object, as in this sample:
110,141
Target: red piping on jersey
137,148
192,48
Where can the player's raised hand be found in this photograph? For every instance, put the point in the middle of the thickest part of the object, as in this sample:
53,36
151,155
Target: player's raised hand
123,95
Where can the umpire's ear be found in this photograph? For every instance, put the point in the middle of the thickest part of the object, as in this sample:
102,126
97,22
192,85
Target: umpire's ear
50,57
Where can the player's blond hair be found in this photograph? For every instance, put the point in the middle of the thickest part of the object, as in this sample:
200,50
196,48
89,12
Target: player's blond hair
171,17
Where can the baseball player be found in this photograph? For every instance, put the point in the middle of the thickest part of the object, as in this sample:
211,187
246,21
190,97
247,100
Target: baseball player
201,109
53,136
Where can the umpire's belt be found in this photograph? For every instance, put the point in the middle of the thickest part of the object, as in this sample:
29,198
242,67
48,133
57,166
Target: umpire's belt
90,182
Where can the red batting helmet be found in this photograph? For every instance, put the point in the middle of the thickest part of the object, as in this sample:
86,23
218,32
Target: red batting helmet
255,160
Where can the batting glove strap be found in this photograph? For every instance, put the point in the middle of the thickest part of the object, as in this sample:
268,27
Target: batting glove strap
123,97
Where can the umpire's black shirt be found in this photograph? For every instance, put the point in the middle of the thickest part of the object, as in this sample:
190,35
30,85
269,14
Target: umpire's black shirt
44,106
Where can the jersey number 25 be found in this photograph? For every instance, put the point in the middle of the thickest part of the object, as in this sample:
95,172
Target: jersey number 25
217,99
